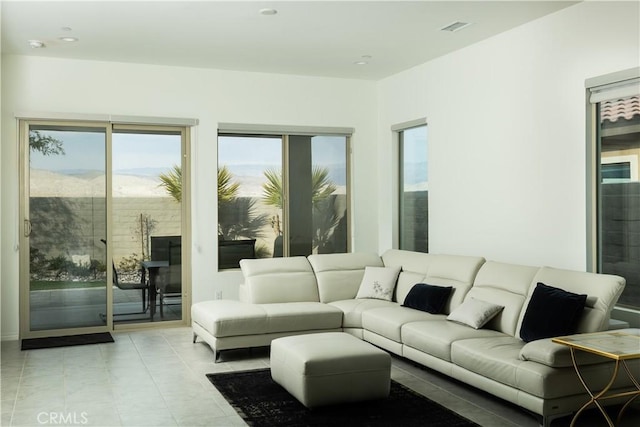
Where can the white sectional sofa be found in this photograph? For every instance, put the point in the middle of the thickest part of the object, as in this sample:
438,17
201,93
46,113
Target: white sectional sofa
298,295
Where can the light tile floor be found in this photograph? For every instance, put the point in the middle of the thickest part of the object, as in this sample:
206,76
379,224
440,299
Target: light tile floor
157,378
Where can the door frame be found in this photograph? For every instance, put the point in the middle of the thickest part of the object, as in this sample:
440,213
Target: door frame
185,218
24,259
24,248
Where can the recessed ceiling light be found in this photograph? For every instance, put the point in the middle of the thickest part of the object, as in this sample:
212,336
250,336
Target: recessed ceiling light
268,11
69,39
36,44
361,62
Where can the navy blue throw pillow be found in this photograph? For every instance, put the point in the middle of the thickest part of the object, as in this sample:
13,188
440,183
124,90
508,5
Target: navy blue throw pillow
551,312
429,298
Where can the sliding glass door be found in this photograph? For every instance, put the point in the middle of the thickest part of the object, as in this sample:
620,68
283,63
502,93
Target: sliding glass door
65,208
147,197
103,212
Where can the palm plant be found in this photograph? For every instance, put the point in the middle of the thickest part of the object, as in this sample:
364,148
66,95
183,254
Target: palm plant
236,215
324,218
272,189
321,186
227,189
172,182
237,219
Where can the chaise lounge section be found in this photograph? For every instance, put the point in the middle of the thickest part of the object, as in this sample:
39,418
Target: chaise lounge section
293,296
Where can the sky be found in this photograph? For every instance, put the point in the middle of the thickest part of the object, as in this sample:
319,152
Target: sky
149,154
414,146
86,151
326,150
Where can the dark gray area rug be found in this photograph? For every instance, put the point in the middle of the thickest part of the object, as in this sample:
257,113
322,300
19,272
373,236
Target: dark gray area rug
68,340
262,402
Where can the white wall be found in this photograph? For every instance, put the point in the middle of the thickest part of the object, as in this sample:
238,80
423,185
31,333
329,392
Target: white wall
212,96
506,134
1,177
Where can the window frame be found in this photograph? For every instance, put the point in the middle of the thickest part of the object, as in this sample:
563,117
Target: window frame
398,173
111,124
284,132
598,89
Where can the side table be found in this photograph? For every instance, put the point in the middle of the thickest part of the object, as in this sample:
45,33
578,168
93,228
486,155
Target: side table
618,346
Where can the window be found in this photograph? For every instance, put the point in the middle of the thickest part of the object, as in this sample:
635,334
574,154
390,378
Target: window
281,194
414,189
612,172
616,151
619,168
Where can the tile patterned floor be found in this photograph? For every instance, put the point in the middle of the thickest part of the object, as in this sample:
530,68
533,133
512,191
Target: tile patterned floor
157,378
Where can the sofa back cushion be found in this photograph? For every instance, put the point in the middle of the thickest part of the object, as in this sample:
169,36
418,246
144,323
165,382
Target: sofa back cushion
456,271
276,280
506,285
339,275
602,290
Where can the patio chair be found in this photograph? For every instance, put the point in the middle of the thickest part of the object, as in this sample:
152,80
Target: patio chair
128,286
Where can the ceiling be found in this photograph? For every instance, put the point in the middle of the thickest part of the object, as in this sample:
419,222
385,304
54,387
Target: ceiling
319,38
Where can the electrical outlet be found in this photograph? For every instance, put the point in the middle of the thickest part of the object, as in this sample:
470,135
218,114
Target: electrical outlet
218,294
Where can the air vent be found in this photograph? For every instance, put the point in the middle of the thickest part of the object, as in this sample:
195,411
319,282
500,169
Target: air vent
455,26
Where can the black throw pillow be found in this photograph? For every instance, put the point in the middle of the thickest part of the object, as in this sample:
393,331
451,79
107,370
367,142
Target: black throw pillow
551,312
429,298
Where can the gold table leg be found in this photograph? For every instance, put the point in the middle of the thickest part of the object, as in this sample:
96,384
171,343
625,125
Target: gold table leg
603,394
633,395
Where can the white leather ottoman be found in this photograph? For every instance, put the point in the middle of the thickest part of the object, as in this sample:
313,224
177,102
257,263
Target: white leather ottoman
327,368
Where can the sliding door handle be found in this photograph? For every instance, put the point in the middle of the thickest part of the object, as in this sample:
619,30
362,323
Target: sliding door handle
27,228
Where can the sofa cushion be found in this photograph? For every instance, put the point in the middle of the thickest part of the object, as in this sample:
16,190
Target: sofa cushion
498,359
352,309
474,312
339,275
388,321
603,291
506,285
227,318
435,337
378,283
276,280
436,269
301,316
494,357
429,298
551,312
556,355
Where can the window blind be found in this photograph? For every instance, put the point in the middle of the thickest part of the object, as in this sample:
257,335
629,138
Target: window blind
614,86
252,129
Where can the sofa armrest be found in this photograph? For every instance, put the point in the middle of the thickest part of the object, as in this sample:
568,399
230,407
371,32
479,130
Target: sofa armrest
555,355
